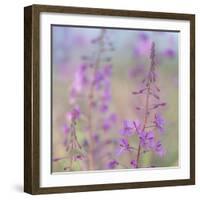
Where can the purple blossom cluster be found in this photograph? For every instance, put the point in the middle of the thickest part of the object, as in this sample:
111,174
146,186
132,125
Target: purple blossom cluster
91,113
92,82
150,127
73,147
141,50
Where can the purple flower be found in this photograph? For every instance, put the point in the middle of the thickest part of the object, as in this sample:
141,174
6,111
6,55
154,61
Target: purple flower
133,163
112,164
98,78
147,139
124,146
66,129
143,36
108,122
159,122
143,45
73,94
169,53
113,117
74,114
106,125
80,79
83,67
159,149
104,108
106,96
80,40
107,70
128,127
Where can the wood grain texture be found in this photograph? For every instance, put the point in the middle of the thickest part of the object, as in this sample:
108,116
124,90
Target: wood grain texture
31,100
27,100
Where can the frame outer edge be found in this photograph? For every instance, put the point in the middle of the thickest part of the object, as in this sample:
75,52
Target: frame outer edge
36,99
192,99
31,101
32,97
27,99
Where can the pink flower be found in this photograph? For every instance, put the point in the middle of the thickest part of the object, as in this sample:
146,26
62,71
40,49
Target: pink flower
133,163
147,140
112,164
143,45
159,122
169,53
80,78
66,129
159,149
124,146
74,114
107,70
128,127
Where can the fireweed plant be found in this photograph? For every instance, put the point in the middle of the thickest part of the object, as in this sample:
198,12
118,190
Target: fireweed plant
148,128
91,82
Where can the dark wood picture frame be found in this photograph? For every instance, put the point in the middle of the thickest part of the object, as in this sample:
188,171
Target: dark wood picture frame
32,96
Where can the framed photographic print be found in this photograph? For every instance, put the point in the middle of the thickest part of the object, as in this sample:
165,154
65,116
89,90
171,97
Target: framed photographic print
109,99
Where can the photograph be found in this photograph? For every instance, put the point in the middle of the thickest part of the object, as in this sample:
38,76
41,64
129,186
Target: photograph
114,98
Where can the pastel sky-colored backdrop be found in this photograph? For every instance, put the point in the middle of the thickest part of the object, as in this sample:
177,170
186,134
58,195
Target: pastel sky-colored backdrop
129,57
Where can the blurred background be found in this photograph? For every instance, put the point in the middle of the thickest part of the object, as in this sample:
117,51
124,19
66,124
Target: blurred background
129,57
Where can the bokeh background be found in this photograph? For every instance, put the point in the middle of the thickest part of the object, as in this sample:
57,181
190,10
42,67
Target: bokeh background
130,63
